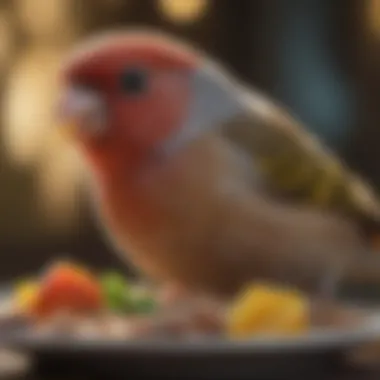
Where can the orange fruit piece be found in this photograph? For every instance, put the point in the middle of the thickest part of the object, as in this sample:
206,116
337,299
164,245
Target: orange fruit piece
66,287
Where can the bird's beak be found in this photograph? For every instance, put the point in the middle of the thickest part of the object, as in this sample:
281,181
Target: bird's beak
80,111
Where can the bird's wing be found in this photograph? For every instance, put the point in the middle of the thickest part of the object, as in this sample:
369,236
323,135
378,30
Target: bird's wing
296,165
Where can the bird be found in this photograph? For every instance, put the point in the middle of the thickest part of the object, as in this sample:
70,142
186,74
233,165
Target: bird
201,182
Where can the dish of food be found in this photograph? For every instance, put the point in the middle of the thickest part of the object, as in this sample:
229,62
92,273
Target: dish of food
69,309
71,300
68,299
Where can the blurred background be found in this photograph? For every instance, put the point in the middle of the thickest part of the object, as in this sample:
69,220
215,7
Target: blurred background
318,57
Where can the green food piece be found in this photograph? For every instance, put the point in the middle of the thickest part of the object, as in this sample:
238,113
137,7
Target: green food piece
140,301
144,305
121,297
115,287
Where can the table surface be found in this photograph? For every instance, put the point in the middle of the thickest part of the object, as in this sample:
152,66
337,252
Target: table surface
17,368
349,375
362,364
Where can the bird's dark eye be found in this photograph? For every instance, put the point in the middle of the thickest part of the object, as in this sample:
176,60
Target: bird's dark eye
134,81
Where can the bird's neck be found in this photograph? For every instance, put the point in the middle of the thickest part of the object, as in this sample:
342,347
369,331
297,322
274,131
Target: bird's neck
123,191
113,164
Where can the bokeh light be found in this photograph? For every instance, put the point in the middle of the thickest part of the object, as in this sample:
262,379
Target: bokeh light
6,39
31,135
59,180
46,19
183,11
373,17
29,102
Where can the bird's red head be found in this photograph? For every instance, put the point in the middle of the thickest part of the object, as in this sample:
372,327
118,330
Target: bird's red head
124,93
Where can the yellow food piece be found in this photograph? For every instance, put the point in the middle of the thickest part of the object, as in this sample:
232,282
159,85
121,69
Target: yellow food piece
25,295
265,309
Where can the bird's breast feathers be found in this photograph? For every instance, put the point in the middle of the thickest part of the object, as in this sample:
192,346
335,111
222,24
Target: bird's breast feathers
173,206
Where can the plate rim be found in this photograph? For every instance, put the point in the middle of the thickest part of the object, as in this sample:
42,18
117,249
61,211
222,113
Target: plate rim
317,340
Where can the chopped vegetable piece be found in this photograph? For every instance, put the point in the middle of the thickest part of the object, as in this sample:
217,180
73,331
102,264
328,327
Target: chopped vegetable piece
25,295
66,287
263,309
122,298
115,288
141,300
141,304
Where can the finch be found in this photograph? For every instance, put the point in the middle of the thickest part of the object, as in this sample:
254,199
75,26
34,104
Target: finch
202,182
